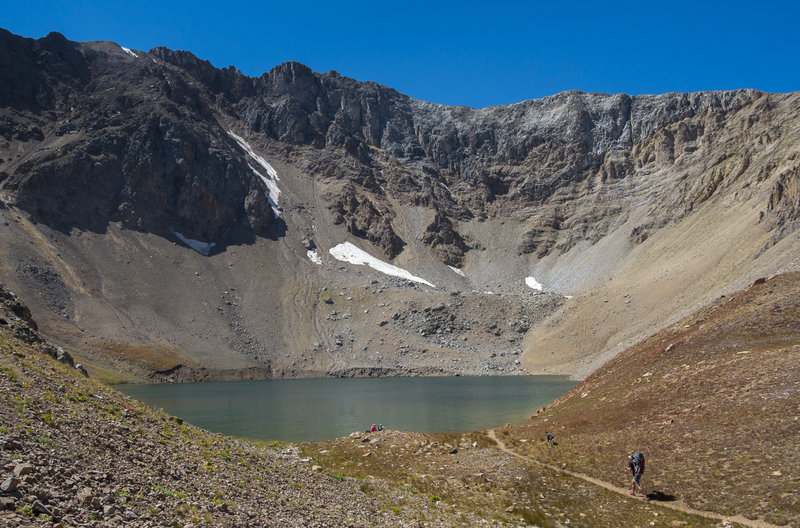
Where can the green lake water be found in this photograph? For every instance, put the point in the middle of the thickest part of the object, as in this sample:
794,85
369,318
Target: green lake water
322,409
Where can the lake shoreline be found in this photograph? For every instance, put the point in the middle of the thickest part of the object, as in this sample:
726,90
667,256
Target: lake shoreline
318,409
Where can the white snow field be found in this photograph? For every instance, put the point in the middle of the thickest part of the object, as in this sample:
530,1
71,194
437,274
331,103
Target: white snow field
273,192
457,270
129,51
314,256
204,248
347,252
533,283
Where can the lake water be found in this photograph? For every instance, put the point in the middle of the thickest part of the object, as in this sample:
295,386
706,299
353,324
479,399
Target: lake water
322,409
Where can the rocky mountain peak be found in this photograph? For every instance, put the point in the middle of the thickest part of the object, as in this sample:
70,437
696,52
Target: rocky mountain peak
142,150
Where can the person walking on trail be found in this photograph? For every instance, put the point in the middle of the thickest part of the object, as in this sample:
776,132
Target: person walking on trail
636,466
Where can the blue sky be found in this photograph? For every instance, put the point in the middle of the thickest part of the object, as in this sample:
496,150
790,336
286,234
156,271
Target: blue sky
460,53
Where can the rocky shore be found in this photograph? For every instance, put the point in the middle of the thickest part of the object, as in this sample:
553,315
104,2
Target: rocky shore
73,452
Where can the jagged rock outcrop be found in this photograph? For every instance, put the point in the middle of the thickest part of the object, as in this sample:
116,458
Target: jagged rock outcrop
120,142
10,304
17,316
446,242
366,219
783,208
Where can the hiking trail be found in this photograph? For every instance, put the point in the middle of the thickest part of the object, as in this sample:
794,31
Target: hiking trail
673,505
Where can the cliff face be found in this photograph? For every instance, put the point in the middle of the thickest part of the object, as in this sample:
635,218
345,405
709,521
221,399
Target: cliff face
138,139
92,138
125,145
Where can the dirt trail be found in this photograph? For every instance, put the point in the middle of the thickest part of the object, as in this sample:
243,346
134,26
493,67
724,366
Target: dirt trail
674,505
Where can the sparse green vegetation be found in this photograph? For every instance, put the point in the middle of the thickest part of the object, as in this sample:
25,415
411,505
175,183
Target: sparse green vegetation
168,493
9,373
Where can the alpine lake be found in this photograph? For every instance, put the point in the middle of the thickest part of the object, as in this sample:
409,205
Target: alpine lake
299,410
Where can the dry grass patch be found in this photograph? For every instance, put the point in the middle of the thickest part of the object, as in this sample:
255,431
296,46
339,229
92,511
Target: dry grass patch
712,402
479,481
158,359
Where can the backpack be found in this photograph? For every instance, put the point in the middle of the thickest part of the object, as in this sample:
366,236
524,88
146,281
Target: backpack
639,459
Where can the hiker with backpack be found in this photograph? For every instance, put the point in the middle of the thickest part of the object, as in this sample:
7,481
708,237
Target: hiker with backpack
636,467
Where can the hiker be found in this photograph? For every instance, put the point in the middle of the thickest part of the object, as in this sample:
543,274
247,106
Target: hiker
373,428
550,438
380,427
636,466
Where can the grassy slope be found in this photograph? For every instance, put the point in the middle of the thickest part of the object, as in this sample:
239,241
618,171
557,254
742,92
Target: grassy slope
484,482
712,401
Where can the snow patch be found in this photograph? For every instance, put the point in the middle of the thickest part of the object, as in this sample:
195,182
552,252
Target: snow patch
261,161
456,270
347,252
129,51
533,283
448,190
204,248
314,256
273,192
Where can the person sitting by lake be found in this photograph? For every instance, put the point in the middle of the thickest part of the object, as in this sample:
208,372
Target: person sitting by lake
373,428
380,427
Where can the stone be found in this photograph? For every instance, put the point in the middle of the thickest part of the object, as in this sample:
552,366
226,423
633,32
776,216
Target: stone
9,485
20,470
40,508
85,496
10,444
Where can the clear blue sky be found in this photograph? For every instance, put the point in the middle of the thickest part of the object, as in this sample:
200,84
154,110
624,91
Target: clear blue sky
467,53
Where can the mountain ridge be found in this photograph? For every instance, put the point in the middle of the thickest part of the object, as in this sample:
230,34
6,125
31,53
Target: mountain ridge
106,148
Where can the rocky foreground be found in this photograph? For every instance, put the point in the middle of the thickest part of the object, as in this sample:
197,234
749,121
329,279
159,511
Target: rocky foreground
74,452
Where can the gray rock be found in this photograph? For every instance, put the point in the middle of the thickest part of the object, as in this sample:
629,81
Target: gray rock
40,508
85,496
10,444
9,485
20,470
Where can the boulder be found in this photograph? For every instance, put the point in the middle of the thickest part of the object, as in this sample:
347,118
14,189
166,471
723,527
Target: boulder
9,485
20,470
